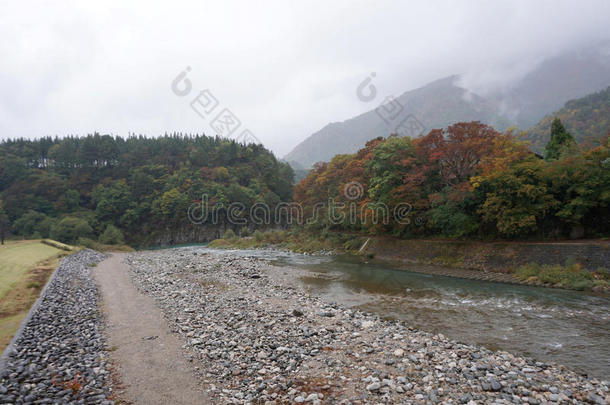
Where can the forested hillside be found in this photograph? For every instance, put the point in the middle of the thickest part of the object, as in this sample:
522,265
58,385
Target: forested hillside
587,118
446,101
139,187
466,181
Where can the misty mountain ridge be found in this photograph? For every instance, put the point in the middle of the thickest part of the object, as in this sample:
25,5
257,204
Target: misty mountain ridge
586,118
440,103
554,82
434,105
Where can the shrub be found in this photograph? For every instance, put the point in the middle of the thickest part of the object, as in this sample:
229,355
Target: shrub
353,244
88,243
112,236
69,229
582,285
57,245
258,235
229,234
572,276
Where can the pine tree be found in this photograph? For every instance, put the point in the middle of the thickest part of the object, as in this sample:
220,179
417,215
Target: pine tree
4,223
560,140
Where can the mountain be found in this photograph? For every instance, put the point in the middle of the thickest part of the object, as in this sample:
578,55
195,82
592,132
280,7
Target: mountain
553,82
586,118
545,89
435,105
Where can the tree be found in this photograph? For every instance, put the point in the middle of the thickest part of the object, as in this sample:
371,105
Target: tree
112,236
582,185
28,223
4,222
69,229
516,201
112,200
561,140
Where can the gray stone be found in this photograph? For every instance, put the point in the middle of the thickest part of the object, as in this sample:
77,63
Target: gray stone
374,386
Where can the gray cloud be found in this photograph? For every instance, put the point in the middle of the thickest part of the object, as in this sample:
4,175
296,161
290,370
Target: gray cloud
285,69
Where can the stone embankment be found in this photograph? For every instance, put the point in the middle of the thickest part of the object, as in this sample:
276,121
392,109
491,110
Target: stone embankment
494,257
59,355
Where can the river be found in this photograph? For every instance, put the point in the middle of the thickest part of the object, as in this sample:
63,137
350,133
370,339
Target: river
551,325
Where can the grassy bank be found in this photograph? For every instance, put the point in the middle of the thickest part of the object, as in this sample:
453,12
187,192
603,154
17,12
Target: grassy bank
293,240
100,247
572,277
25,267
481,260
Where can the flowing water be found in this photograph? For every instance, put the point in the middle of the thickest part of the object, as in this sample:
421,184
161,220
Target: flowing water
567,327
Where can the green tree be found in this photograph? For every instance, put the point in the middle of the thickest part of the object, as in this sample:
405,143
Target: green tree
28,223
561,140
517,200
72,200
112,200
582,184
4,222
112,236
69,229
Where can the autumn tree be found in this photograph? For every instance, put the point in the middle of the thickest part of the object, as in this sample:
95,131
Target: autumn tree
517,200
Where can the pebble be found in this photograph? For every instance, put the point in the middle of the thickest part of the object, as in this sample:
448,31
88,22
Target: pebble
257,344
373,386
61,356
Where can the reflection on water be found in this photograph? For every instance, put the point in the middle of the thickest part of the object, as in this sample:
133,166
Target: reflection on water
567,327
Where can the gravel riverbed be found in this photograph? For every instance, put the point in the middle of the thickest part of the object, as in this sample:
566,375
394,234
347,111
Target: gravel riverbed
60,357
254,335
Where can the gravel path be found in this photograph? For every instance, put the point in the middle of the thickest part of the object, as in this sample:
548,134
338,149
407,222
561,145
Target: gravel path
60,356
148,356
255,336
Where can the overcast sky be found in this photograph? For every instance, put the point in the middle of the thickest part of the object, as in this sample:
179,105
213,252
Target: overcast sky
285,69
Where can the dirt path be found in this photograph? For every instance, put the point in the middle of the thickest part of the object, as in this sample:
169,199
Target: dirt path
148,356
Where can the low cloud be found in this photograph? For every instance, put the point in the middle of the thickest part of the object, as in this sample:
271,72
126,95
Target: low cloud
285,70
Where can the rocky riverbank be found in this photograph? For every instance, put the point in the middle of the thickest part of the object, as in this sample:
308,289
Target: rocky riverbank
60,356
255,336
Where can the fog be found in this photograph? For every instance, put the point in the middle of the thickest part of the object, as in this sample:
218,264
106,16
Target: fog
283,69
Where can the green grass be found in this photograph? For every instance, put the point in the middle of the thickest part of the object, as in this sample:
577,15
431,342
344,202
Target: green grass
571,276
17,257
100,247
25,267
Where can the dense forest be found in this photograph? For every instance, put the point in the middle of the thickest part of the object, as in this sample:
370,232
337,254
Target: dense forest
466,181
112,188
